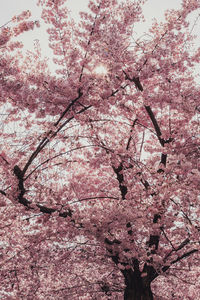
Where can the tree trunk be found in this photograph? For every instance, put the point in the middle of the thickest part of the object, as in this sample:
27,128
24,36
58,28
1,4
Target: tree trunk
138,293
138,287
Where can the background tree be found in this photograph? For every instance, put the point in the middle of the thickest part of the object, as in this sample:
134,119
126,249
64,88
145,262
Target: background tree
99,162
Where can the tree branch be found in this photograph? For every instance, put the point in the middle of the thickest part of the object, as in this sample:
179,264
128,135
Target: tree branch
130,137
120,178
165,268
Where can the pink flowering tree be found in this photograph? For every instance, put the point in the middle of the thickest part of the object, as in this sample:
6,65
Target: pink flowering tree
99,191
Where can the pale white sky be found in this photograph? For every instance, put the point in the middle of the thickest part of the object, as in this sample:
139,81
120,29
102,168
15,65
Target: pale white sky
153,8
9,8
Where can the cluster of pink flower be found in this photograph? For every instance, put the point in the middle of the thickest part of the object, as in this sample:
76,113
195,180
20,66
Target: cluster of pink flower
4,36
99,163
24,15
25,26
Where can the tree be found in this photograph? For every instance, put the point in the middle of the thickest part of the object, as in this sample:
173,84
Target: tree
99,169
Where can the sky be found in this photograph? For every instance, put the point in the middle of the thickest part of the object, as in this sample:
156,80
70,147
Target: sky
153,8
10,8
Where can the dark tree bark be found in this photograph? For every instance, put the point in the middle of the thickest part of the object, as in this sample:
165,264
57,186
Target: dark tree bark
137,286
133,294
137,282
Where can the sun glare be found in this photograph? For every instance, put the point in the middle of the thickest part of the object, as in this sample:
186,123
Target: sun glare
100,70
